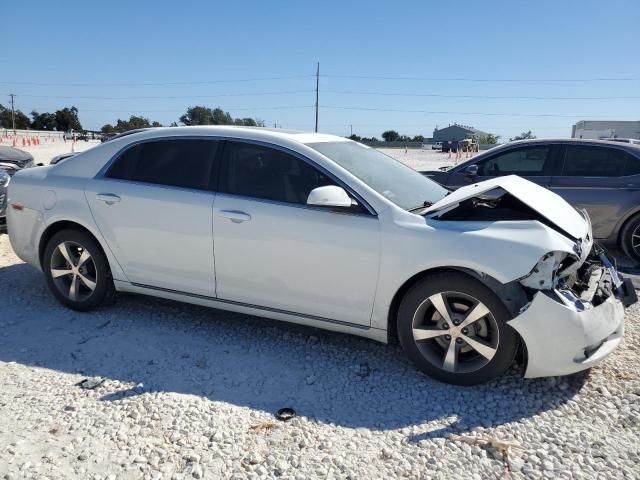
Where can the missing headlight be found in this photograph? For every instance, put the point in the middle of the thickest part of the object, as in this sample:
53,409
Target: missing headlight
544,275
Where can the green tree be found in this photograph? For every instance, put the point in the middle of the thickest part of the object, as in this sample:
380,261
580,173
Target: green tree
418,138
489,139
197,115
133,123
245,122
22,121
390,136
43,121
355,138
523,136
220,117
67,119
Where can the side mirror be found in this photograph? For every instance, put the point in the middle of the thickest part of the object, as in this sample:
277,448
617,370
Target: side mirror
471,171
329,196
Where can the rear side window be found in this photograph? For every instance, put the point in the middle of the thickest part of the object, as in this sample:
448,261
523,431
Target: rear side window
187,163
528,161
262,172
590,161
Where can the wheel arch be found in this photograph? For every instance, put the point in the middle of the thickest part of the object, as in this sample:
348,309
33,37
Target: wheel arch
511,294
623,224
59,226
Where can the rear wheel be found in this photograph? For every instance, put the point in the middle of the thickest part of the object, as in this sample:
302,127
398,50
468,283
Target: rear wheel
77,271
453,327
630,238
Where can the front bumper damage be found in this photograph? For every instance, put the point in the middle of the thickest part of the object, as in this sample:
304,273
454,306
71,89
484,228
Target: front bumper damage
566,331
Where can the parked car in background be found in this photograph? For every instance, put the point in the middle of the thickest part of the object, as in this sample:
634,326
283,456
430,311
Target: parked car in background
61,157
11,160
600,176
323,231
469,145
111,136
436,146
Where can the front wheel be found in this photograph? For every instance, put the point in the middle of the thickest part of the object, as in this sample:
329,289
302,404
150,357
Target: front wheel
454,328
76,270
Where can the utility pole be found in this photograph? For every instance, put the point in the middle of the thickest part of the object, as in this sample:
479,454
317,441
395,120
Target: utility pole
351,127
317,86
13,115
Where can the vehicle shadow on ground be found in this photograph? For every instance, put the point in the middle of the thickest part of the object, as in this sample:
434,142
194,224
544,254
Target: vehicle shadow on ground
253,362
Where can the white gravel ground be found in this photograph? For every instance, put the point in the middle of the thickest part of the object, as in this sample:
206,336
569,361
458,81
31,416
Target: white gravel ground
185,388
190,392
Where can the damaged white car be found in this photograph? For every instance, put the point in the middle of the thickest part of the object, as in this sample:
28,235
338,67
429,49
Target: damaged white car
322,231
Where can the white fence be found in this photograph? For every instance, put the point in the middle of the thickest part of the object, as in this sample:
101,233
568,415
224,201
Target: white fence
29,137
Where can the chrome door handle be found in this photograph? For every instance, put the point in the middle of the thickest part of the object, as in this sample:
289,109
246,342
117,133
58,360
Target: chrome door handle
108,198
235,216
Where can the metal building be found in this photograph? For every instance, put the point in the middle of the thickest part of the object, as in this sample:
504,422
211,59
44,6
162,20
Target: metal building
603,129
456,132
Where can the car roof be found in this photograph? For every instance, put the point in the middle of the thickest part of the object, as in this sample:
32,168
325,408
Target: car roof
578,141
256,133
564,141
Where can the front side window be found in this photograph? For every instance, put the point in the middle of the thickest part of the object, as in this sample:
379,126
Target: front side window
262,172
590,161
186,163
400,184
529,161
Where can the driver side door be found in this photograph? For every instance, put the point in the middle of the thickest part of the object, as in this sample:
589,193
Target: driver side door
275,252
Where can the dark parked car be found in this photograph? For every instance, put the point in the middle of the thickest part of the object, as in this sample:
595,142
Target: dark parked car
11,160
600,176
61,157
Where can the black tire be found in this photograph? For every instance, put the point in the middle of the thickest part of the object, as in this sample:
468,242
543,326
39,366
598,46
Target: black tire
489,333
631,228
96,271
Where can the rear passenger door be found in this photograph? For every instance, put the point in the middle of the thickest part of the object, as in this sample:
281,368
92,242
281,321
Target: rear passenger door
153,206
601,179
533,162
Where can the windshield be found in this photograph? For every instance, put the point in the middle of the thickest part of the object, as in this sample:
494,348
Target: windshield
402,185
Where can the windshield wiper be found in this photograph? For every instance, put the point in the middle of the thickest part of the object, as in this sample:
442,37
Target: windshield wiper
425,204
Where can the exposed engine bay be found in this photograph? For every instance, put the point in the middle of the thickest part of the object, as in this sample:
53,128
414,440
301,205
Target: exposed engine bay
585,279
495,205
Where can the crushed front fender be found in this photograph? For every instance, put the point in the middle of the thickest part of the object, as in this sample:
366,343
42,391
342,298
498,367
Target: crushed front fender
564,337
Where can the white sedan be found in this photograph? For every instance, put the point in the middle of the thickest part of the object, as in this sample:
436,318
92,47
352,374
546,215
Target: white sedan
322,231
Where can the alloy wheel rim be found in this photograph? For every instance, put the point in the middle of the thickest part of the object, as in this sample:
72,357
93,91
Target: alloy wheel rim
635,240
455,332
73,271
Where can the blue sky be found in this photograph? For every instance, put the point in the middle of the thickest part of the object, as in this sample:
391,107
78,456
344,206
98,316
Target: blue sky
51,50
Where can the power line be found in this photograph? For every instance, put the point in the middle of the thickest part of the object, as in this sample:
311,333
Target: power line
167,97
367,109
234,109
464,79
509,97
338,92
148,84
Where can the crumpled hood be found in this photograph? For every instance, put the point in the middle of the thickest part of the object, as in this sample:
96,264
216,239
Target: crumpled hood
551,206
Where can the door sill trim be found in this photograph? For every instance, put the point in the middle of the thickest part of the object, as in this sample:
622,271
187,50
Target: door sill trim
256,307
